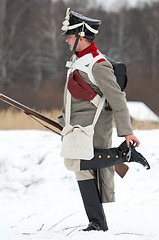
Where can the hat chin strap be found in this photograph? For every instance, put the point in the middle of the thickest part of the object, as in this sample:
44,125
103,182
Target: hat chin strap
76,42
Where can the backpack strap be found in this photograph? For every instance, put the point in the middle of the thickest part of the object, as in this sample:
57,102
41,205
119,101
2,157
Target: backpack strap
81,63
89,71
85,64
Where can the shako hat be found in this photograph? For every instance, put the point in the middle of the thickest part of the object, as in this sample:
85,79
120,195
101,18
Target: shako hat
78,24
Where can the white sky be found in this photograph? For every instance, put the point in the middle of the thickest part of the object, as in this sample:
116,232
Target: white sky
116,4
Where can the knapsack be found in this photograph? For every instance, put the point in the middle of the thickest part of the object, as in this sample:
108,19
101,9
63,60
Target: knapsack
120,72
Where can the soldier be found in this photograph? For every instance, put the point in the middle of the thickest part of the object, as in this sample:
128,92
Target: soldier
91,78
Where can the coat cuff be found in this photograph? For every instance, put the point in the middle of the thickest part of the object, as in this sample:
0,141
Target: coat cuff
123,123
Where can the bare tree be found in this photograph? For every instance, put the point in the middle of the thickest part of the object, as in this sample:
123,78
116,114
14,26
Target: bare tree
10,35
3,70
152,29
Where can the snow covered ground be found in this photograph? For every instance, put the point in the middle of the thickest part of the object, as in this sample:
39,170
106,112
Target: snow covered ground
39,198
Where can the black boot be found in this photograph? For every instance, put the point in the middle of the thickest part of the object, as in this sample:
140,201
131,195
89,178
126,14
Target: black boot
110,157
134,156
92,226
105,158
93,206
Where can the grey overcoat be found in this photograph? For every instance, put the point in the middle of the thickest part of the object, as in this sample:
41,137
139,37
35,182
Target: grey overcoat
82,112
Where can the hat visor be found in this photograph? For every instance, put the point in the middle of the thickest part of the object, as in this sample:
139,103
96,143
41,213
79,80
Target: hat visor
70,32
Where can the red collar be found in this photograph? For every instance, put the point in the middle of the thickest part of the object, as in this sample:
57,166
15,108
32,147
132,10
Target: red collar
91,49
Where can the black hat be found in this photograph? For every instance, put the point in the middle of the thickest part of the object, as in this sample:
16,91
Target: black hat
78,24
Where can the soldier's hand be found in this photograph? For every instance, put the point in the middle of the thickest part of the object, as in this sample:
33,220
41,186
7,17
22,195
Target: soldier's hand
132,138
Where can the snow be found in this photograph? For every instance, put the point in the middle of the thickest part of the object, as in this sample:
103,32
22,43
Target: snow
140,112
39,198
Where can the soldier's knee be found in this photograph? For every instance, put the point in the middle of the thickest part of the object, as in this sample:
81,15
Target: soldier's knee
72,164
84,175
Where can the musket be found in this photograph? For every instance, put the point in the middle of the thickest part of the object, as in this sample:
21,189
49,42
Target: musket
121,169
30,112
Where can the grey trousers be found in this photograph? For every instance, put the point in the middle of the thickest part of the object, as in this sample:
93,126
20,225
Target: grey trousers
74,165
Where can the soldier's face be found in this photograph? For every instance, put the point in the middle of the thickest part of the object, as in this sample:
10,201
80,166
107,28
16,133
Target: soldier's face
71,41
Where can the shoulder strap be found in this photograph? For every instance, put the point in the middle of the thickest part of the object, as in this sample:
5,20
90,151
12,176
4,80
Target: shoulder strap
68,73
90,74
68,107
98,111
85,64
81,63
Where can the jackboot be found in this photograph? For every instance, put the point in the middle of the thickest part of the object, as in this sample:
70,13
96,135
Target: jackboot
113,156
93,206
134,156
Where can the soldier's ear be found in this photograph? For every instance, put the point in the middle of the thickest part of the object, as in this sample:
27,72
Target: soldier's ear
82,38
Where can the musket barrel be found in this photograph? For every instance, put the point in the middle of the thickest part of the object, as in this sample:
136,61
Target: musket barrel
29,111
